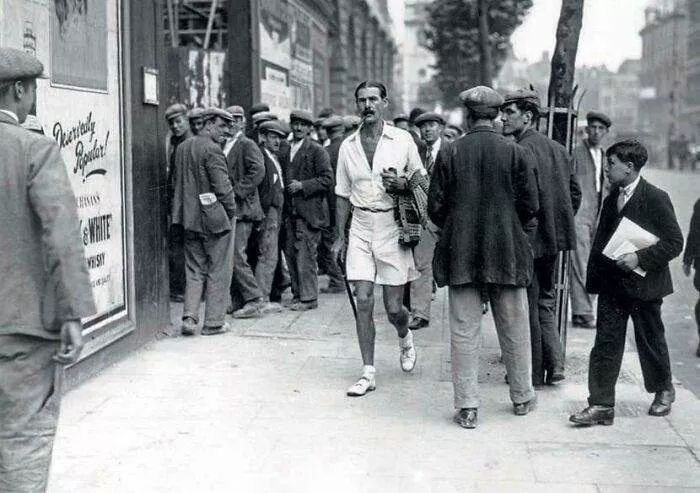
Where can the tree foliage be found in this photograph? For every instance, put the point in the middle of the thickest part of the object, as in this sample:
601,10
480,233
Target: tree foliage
453,35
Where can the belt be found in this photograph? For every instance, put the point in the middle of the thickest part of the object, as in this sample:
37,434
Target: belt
373,209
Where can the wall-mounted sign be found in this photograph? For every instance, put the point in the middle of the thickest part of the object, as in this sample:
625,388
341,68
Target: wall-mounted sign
150,85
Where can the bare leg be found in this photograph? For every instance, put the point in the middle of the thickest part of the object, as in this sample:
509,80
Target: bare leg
396,312
365,323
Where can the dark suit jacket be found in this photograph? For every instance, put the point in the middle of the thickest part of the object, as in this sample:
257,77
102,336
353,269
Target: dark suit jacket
692,247
200,162
311,166
481,194
270,188
558,191
247,170
651,209
333,150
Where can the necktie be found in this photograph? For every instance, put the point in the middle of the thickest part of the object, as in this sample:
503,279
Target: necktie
429,158
621,199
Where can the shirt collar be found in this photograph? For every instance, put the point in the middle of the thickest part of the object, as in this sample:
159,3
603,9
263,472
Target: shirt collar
387,131
629,189
12,115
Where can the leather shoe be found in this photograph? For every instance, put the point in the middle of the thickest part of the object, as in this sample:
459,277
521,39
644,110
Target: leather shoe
523,408
594,415
662,402
466,417
418,323
301,306
554,377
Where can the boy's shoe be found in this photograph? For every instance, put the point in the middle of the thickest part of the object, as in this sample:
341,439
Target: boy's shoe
594,415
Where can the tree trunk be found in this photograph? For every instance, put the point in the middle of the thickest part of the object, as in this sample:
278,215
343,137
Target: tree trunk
484,46
563,65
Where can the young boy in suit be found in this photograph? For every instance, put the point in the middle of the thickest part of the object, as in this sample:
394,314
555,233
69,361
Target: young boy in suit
624,294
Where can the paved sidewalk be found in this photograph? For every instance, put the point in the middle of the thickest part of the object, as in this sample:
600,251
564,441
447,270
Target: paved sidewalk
263,408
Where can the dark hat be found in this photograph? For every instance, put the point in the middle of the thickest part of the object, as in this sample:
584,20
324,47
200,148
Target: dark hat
456,128
195,113
236,110
17,64
401,117
481,98
429,116
258,107
302,115
175,110
351,121
529,95
333,121
415,113
210,113
273,126
601,117
263,116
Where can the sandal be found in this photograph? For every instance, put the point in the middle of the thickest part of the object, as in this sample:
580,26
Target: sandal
361,387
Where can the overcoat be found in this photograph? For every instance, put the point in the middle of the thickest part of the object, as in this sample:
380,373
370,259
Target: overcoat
651,209
199,162
481,195
311,166
44,274
246,169
591,199
559,194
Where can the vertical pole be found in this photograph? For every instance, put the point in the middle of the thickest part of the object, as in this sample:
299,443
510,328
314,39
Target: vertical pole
210,24
171,24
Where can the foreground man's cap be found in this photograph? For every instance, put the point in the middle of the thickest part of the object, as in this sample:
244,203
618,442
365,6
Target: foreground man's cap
333,121
17,64
195,113
429,116
302,115
174,110
481,98
236,110
258,107
601,117
273,126
529,95
214,112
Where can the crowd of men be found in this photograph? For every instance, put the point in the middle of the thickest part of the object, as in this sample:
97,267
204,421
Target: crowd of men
407,205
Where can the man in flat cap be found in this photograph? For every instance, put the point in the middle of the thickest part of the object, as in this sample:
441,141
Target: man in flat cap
204,205
451,133
196,120
45,289
246,169
589,160
430,125
179,130
375,164
307,178
559,197
257,119
267,233
335,130
401,121
482,195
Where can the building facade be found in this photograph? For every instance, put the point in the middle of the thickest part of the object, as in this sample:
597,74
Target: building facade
418,61
690,113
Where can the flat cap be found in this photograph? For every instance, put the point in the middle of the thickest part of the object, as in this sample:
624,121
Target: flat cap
529,95
481,98
258,107
302,115
195,113
333,121
429,116
401,117
236,110
17,64
351,121
263,116
174,110
212,112
273,126
601,117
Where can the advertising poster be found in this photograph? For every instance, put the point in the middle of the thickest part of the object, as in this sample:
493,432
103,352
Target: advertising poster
275,56
301,73
79,43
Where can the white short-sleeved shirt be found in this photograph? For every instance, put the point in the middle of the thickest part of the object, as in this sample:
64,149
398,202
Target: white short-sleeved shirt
362,185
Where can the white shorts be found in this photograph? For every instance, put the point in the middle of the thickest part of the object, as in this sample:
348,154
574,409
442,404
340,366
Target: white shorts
374,253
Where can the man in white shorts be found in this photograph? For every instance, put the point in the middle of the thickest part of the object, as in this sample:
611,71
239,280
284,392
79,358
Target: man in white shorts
374,254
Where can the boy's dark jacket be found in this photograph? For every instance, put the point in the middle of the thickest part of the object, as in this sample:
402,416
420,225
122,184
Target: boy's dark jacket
651,208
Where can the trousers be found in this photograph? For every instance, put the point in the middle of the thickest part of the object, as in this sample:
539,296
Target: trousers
244,284
208,260
30,395
301,249
268,235
176,259
581,301
609,346
509,307
326,262
421,295
544,337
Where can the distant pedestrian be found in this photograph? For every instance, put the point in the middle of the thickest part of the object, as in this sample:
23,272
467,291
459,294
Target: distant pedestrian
589,160
246,170
481,196
195,117
626,291
452,133
691,260
45,289
415,131
401,121
373,164
559,198
204,205
307,178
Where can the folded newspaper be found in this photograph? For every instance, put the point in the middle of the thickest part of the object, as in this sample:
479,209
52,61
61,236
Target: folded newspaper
629,237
